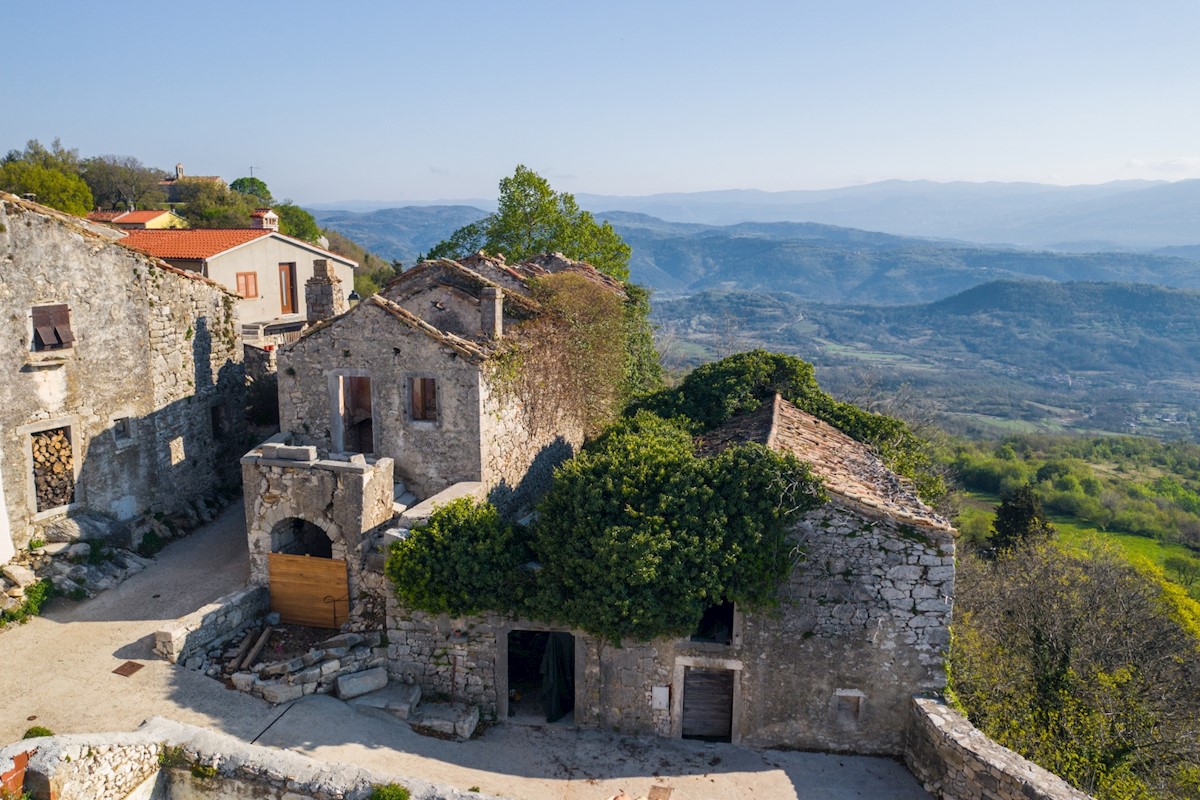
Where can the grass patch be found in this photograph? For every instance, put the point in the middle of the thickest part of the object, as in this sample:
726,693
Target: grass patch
35,597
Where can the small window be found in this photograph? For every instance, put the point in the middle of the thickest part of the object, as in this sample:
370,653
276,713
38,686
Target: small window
52,327
217,420
122,429
716,626
424,399
247,284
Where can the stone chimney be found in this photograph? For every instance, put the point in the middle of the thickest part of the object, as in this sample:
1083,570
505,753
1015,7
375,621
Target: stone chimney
491,312
264,219
323,292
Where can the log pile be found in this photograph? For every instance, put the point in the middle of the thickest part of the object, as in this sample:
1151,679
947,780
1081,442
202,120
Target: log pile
53,469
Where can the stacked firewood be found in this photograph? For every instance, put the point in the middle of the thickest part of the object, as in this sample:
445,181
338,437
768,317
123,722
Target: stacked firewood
53,469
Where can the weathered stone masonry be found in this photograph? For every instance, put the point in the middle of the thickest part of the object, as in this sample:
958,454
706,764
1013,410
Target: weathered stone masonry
149,393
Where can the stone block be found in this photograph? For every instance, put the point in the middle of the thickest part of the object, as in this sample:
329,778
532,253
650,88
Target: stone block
360,683
450,718
21,576
277,693
296,453
341,640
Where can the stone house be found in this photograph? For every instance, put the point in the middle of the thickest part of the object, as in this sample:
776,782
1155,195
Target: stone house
173,186
124,388
862,624
266,269
398,400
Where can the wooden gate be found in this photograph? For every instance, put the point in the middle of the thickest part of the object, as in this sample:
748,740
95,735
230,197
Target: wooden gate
708,704
308,590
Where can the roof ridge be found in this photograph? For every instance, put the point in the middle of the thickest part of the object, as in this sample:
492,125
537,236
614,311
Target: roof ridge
772,432
457,343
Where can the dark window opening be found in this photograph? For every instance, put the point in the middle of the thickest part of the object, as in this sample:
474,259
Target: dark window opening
52,327
122,428
299,537
53,468
216,418
424,399
716,626
541,676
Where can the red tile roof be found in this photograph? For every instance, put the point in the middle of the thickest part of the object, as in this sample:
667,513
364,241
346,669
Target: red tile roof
105,216
140,216
190,244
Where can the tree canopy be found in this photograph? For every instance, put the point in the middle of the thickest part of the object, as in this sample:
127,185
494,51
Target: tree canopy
532,218
296,222
123,182
253,187
1019,520
52,174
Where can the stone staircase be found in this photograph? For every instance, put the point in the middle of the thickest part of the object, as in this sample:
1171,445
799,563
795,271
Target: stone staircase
402,703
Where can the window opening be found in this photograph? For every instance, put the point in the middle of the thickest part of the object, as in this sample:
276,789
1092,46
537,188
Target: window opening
122,428
424,399
216,415
247,284
357,421
716,626
52,327
53,468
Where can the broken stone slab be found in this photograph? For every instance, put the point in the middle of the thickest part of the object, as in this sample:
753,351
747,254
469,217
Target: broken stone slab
88,525
276,693
341,640
21,576
359,683
450,718
53,548
421,512
399,700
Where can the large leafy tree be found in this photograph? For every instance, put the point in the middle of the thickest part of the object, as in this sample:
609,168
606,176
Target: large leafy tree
295,221
52,174
123,182
1084,664
532,218
1019,520
253,187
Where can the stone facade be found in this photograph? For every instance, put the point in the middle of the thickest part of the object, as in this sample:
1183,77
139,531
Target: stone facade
863,622
956,761
147,391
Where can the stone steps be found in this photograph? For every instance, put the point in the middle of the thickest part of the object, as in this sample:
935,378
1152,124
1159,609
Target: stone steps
394,701
453,719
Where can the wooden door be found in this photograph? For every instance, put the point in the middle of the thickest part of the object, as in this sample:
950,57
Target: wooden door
309,590
708,704
287,288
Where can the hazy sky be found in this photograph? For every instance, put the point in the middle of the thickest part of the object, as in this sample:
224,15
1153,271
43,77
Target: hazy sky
427,100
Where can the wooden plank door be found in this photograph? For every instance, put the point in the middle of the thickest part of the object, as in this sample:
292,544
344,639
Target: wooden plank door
309,590
708,704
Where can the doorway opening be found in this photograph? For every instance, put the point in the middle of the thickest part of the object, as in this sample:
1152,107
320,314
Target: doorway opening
541,677
300,537
353,416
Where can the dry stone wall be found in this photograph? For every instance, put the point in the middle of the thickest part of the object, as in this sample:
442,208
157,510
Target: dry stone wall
192,636
956,761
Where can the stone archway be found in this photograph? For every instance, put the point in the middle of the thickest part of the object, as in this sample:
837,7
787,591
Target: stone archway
299,537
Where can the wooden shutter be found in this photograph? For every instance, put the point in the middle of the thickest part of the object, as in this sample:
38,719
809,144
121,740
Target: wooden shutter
52,327
708,704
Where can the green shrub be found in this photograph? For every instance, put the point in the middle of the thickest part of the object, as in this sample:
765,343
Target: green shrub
390,791
151,544
36,731
204,771
35,597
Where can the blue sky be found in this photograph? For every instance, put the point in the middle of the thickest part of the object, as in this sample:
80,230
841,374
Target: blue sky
432,100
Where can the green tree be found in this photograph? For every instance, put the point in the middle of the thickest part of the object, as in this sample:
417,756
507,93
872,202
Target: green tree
1082,664
1019,520
212,205
531,219
1187,570
296,222
253,187
49,186
123,182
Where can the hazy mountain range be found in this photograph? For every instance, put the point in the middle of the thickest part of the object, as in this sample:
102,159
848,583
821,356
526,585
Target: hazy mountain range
1138,215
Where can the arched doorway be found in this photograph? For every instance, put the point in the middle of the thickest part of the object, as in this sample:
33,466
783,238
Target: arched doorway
308,585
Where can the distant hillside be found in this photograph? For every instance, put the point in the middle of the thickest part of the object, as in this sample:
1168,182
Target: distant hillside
1116,357
1140,215
402,233
819,262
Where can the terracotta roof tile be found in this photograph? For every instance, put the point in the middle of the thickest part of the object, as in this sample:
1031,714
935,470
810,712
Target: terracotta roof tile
105,216
851,471
190,244
139,216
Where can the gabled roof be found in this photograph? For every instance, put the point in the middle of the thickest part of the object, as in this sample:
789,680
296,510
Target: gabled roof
132,217
851,471
471,350
195,243
199,243
457,274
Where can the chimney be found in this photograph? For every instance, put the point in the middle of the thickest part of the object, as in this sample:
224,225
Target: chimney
323,292
264,219
491,312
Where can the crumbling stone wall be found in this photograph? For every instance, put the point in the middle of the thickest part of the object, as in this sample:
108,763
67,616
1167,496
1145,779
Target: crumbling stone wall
954,759
155,352
192,635
862,624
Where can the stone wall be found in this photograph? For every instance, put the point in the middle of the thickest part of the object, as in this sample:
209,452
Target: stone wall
150,391
260,361
863,623
165,760
956,761
192,636
346,499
